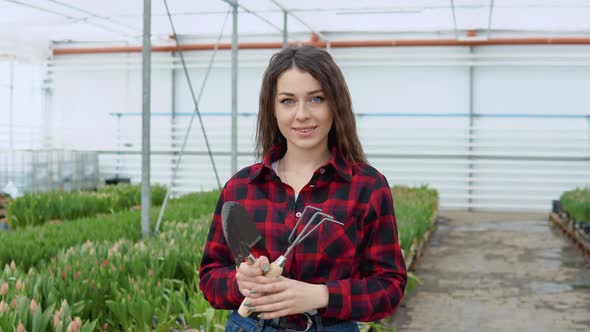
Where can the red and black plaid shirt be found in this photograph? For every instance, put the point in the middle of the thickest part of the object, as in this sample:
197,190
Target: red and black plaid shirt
361,262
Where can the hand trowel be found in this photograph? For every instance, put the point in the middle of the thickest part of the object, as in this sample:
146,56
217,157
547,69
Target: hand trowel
241,235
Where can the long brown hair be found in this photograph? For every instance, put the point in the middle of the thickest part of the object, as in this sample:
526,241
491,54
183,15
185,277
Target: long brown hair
319,64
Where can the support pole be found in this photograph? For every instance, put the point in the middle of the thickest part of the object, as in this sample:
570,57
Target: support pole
173,126
11,108
48,142
285,29
471,133
146,201
234,90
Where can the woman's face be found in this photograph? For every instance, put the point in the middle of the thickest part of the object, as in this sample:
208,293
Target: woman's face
302,112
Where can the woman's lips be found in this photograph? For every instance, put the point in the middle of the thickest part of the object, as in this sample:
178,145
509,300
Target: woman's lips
307,131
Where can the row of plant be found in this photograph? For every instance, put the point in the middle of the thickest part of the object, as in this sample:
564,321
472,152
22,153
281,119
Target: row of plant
415,210
576,207
126,285
577,204
119,286
34,209
32,245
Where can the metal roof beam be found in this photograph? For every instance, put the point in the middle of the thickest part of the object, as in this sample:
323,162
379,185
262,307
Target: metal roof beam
260,17
454,19
322,36
68,17
94,15
490,18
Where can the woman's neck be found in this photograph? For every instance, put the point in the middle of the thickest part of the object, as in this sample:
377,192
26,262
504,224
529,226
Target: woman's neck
305,160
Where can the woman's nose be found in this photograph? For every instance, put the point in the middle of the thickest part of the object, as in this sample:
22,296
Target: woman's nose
302,112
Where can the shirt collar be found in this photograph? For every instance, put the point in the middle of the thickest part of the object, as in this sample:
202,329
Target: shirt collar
342,166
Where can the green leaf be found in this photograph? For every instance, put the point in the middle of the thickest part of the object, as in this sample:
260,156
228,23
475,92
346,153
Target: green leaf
38,320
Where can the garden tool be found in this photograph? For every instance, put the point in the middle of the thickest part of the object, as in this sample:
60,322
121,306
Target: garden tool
240,231
241,235
276,268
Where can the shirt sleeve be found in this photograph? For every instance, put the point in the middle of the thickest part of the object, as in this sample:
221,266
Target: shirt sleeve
379,291
217,272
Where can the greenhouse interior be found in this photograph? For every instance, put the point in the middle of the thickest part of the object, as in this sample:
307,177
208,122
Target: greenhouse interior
128,127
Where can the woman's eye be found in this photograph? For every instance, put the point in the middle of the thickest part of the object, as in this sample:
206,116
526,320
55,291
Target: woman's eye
317,99
287,101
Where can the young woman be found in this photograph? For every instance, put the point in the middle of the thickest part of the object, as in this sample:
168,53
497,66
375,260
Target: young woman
311,156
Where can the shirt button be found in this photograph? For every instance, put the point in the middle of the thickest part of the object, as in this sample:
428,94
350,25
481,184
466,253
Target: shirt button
322,170
298,214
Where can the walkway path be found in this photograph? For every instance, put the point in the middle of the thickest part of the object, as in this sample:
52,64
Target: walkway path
498,272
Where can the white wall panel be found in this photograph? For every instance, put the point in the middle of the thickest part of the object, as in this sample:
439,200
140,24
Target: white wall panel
516,162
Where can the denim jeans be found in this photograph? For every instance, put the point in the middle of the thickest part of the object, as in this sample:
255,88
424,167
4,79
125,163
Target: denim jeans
237,323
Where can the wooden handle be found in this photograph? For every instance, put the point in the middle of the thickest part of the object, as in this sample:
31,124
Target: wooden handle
243,310
274,271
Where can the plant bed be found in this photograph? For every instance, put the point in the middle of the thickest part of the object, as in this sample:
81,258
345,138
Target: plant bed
122,285
125,284
35,209
30,246
416,213
563,224
418,248
571,213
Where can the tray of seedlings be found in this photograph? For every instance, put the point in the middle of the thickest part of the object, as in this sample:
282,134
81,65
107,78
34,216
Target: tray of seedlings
571,213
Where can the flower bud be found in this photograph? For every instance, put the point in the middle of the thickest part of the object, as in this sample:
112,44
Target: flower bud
72,327
33,306
20,285
12,266
21,328
78,322
3,307
56,320
4,289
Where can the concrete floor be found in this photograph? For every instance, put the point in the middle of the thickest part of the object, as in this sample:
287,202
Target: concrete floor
498,272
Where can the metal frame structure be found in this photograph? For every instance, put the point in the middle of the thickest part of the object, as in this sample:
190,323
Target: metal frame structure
146,201
321,40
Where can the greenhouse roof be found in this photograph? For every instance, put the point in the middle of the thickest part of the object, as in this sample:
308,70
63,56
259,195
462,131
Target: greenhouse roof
30,23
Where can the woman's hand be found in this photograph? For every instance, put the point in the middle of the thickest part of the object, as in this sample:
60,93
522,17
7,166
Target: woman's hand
249,276
278,297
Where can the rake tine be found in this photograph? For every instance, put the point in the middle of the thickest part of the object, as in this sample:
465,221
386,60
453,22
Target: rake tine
330,218
307,208
304,232
304,236
306,227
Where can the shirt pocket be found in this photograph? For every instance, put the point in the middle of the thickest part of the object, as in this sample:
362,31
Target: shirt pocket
337,254
330,251
338,243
